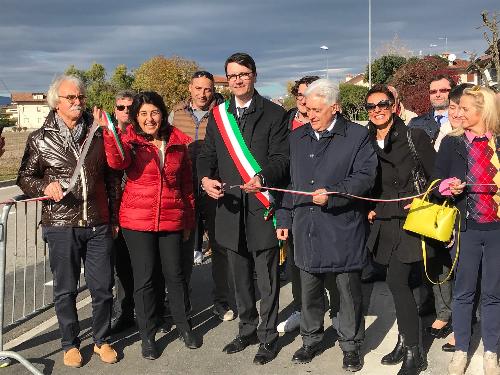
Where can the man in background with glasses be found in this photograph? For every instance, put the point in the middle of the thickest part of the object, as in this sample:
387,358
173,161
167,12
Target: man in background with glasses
191,116
439,88
243,225
76,222
124,304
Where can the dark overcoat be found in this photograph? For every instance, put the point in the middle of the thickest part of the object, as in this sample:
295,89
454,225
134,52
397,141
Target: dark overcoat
265,132
394,180
329,238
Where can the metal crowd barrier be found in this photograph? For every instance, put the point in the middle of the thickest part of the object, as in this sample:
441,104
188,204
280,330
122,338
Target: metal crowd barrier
25,277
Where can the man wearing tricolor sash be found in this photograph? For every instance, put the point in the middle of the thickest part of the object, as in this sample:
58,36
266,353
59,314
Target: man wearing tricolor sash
247,144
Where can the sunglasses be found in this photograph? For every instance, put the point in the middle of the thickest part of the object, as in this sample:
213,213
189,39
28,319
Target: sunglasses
441,91
383,104
122,107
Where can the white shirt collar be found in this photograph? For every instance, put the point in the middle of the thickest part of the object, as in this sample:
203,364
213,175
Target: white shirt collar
246,105
329,129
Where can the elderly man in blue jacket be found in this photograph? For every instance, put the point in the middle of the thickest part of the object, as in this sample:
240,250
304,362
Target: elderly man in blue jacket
329,154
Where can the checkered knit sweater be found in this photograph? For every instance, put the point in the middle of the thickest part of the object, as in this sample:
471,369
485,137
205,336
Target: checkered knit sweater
483,202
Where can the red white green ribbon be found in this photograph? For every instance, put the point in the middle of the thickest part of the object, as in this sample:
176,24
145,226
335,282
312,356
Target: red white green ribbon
112,129
245,162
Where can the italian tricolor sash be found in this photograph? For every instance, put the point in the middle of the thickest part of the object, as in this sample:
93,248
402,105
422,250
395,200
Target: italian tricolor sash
245,163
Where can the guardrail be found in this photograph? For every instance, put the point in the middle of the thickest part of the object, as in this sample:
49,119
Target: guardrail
5,356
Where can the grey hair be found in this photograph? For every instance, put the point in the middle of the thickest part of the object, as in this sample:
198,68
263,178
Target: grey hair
124,94
53,92
325,89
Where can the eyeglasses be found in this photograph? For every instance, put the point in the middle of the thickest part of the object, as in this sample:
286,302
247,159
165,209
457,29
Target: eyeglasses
383,104
441,91
243,76
153,113
299,96
203,73
122,107
72,98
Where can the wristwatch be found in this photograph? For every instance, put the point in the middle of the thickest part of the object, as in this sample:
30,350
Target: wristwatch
262,179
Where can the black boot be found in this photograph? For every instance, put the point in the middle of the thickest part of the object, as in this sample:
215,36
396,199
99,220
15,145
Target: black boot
190,339
397,354
413,362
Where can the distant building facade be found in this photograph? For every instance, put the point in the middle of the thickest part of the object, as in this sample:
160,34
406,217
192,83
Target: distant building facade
32,108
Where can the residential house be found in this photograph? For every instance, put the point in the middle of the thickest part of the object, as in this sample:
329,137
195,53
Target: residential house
32,108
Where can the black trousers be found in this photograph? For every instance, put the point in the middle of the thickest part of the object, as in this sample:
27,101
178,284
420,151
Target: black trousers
351,319
68,246
144,248
406,308
124,281
265,263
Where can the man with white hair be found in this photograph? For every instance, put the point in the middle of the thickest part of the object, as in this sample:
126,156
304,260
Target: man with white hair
330,154
75,221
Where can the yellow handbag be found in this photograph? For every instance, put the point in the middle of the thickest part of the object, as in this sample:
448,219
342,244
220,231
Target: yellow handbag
429,219
435,221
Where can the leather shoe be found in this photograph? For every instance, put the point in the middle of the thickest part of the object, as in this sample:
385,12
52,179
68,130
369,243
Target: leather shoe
190,339
352,361
149,350
121,323
239,344
397,354
440,333
266,353
449,348
306,353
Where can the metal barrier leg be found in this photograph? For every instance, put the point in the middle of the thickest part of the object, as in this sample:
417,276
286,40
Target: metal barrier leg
3,249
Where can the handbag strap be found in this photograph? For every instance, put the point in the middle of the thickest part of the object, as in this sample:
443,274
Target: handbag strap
430,188
413,150
424,255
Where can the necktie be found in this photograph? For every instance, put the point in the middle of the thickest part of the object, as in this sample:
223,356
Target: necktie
241,111
438,119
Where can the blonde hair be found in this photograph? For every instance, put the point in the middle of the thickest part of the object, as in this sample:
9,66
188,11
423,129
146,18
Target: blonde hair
487,104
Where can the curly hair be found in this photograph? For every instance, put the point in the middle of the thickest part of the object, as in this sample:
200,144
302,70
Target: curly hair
307,80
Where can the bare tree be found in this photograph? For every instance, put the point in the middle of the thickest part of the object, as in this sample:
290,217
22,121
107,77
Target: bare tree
394,47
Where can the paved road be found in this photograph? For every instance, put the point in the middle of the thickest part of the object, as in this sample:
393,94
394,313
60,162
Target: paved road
44,351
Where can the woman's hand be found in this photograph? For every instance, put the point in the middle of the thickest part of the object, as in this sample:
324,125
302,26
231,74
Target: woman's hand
371,216
457,186
282,234
99,117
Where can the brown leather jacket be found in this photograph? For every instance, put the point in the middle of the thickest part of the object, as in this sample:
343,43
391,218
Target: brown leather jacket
94,200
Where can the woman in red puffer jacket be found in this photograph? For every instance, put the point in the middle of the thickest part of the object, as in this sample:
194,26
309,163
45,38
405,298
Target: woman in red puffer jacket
156,212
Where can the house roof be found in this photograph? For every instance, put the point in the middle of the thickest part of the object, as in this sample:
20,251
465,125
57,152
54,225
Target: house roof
220,80
28,97
356,79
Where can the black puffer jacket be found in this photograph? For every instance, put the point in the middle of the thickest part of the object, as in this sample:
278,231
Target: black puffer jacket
95,198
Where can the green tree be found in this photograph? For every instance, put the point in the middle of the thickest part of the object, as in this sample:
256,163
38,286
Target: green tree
384,68
352,100
289,100
74,71
121,79
169,77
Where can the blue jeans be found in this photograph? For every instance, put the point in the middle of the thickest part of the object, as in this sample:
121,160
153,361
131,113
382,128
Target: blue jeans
68,246
478,249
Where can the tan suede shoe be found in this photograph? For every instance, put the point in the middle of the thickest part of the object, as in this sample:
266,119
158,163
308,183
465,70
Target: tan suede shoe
73,358
107,353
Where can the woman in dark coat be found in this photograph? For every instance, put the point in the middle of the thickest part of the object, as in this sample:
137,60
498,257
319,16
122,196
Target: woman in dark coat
392,246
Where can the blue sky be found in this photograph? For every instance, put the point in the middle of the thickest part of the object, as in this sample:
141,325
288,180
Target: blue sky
39,39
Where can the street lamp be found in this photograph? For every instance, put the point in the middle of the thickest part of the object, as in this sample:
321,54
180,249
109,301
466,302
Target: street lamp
370,43
325,48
